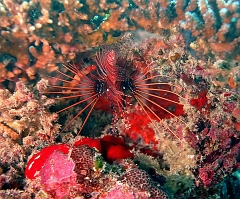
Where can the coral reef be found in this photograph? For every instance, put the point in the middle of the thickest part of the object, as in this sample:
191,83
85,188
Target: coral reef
165,117
39,35
25,123
25,115
209,149
140,180
85,174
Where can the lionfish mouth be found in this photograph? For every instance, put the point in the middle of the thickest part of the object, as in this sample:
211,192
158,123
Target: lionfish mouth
115,77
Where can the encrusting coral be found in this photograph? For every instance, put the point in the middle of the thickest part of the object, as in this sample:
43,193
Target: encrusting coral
25,123
25,114
85,174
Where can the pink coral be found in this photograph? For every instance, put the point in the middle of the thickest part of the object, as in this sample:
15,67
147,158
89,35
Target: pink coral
67,176
80,173
206,176
57,173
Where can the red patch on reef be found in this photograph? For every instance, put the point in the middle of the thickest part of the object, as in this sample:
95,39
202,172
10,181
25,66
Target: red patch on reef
114,148
118,152
36,163
188,80
206,175
149,152
201,101
164,106
237,126
192,139
139,128
229,106
91,142
111,140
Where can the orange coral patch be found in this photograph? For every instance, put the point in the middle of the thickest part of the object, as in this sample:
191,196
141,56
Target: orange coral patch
220,47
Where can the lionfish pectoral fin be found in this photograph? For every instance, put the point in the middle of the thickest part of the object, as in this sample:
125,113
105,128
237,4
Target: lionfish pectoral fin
81,111
93,103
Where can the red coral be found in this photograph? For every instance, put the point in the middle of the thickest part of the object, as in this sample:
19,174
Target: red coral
237,126
111,140
201,101
114,148
149,152
206,175
36,163
188,80
139,127
191,138
118,152
91,142
229,106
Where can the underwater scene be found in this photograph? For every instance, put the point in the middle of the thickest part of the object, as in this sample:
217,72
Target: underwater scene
119,99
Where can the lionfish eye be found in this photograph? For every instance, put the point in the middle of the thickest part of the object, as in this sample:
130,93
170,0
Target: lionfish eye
99,88
128,85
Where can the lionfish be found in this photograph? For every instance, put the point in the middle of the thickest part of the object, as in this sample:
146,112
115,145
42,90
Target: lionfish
115,77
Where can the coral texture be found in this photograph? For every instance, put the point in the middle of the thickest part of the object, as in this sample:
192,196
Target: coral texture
140,180
37,35
119,99
83,175
25,114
